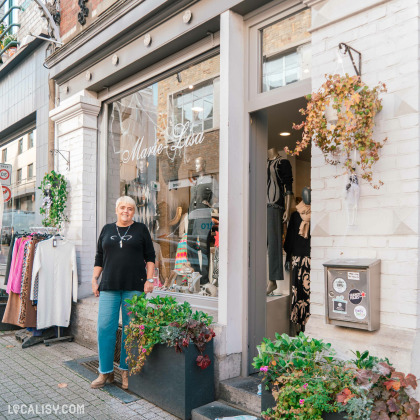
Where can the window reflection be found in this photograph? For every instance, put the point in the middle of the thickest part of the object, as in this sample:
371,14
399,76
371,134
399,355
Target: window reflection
164,152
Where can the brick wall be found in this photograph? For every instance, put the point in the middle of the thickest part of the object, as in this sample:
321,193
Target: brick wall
387,225
69,26
30,19
286,32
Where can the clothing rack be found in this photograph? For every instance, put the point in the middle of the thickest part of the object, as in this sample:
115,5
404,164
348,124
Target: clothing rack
59,338
54,231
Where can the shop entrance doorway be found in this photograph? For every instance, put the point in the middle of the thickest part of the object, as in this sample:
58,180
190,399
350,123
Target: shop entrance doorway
273,176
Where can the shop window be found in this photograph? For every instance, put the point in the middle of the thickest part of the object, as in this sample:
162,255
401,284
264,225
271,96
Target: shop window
19,211
286,51
164,153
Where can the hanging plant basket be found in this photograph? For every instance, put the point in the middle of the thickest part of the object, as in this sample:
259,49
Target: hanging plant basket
54,203
340,121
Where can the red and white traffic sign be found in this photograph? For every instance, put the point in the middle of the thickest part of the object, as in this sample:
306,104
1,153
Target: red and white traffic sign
7,194
5,174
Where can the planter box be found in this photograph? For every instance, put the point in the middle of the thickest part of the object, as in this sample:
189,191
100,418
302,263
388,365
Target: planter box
267,401
334,416
173,381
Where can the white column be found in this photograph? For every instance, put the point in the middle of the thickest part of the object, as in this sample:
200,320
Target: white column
233,182
76,131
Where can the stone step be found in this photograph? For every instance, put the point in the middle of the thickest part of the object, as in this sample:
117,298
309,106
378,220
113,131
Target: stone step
242,393
216,409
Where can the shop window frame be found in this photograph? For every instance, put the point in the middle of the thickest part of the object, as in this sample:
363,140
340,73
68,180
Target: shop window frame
168,68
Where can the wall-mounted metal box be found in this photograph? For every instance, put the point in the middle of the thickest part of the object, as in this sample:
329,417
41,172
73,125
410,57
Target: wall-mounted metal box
352,293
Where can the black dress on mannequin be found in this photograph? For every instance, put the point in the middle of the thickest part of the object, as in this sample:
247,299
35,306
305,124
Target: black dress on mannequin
298,249
199,225
279,182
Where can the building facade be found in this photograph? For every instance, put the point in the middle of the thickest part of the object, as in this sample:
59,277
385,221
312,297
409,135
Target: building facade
177,105
24,118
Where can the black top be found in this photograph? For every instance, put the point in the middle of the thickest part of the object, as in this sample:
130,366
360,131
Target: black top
296,244
279,180
124,268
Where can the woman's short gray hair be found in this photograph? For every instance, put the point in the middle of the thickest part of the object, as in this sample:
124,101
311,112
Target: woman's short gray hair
125,199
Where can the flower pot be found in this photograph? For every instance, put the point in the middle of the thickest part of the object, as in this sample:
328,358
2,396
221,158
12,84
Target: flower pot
173,381
334,416
267,399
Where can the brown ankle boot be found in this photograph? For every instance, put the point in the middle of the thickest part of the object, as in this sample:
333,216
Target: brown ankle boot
124,379
102,379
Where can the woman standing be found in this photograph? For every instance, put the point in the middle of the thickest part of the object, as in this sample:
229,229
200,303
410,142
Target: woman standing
126,258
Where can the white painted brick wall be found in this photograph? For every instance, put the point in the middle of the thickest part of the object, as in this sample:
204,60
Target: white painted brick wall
76,131
388,38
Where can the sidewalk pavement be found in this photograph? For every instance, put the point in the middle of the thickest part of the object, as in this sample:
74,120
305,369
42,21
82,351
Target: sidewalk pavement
29,380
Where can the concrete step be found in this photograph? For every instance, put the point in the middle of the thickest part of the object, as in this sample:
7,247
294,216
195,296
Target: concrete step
216,409
242,393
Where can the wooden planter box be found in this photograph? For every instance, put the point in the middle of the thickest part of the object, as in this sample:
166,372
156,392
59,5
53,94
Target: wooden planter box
173,381
267,401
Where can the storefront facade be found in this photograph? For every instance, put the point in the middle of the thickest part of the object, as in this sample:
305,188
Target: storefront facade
179,113
24,130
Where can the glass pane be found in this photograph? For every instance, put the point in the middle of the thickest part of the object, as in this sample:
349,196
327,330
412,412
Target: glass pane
283,59
19,191
161,155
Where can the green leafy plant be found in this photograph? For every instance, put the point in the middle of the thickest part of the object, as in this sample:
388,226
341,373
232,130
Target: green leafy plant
304,376
162,320
356,106
54,189
8,39
307,379
366,361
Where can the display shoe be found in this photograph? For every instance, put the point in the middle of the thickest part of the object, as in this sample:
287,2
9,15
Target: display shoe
272,285
102,379
124,379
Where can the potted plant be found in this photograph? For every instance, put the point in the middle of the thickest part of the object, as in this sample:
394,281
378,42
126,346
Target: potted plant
54,203
339,119
165,345
303,377
308,381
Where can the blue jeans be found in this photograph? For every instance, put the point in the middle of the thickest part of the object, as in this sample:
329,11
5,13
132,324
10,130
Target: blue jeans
110,302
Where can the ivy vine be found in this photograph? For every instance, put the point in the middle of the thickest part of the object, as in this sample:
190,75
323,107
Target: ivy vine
54,203
355,105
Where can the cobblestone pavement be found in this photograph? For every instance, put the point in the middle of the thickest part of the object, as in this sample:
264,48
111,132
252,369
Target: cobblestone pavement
30,377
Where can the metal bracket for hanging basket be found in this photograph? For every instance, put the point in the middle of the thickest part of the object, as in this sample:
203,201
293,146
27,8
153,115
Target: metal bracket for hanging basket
56,151
349,50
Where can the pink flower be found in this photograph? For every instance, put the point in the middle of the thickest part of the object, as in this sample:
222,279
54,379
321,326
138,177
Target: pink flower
142,327
301,401
305,386
129,313
264,368
143,350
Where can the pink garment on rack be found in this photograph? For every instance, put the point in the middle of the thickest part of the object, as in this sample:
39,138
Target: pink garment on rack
15,276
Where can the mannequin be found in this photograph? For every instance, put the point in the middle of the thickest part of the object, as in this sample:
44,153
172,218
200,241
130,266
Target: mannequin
203,197
298,249
279,200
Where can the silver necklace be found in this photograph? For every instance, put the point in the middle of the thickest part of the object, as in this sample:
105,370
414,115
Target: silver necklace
125,234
